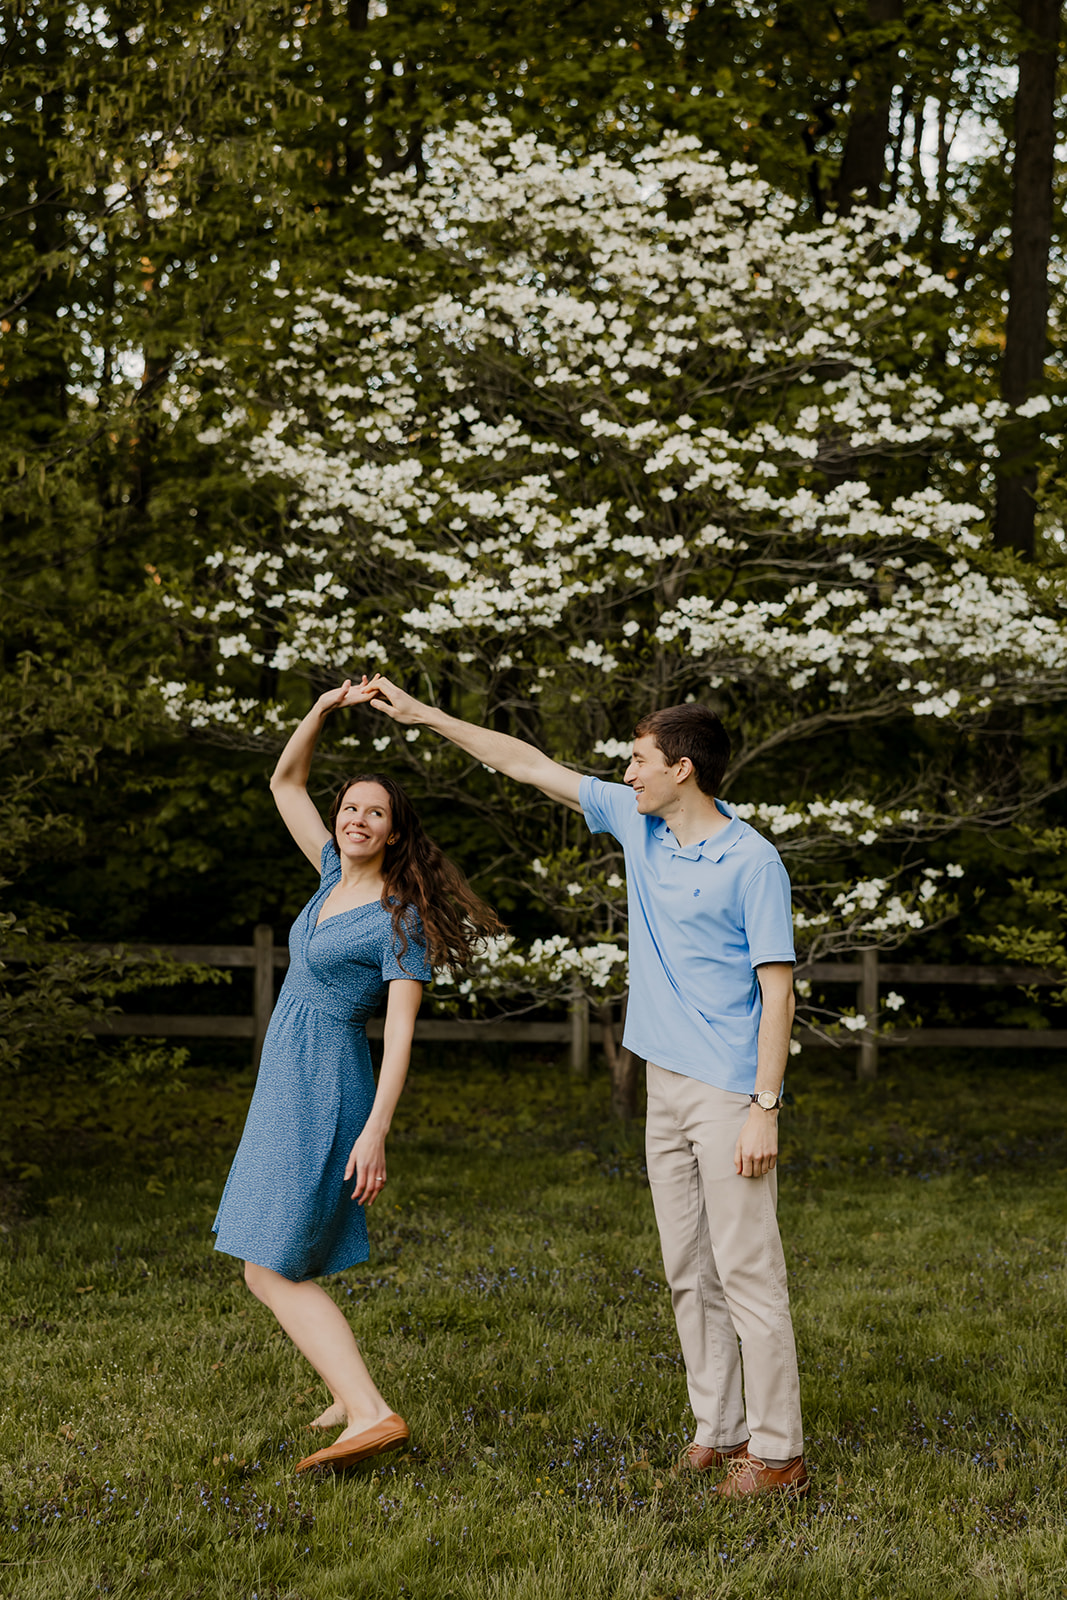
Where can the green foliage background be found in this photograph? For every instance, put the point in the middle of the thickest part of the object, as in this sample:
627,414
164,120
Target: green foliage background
166,167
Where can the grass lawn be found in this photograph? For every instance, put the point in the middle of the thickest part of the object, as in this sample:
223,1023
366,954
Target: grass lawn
515,1313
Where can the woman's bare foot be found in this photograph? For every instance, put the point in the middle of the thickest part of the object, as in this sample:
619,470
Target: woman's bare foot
334,1416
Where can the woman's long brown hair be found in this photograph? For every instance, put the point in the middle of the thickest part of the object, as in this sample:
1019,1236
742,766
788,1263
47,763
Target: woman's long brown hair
418,873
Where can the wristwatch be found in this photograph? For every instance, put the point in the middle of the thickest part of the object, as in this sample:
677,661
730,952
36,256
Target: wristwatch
767,1100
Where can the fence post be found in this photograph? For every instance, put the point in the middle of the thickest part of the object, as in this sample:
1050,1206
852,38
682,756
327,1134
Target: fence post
262,985
867,997
579,1033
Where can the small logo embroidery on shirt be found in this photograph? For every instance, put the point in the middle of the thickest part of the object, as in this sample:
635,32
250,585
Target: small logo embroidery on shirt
695,893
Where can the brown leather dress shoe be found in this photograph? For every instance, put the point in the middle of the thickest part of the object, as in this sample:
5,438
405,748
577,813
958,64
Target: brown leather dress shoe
747,1474
389,1434
705,1457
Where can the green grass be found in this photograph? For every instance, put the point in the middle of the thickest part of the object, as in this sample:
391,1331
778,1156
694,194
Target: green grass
514,1312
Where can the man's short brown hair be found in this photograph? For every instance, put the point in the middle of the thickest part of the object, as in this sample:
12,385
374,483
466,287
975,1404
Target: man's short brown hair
693,731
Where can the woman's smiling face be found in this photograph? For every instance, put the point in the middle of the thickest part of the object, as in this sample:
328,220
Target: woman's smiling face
364,823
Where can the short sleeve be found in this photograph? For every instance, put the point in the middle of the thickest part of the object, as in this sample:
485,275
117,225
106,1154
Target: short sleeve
330,870
607,807
413,963
767,915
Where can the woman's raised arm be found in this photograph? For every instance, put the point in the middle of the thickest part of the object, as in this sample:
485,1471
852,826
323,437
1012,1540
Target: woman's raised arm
288,783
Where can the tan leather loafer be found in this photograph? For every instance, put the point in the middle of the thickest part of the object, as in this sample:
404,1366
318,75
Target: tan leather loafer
747,1475
705,1457
389,1434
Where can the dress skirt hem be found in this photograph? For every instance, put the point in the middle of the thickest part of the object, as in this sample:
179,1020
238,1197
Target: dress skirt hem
328,1271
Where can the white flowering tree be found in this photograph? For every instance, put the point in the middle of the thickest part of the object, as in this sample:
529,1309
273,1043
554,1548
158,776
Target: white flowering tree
610,436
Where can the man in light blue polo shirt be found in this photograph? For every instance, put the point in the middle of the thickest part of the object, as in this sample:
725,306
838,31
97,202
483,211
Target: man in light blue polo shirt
710,1011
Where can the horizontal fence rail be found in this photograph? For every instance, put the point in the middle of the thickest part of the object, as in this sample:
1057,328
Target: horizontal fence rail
579,1031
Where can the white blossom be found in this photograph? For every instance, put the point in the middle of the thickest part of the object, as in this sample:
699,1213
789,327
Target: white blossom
700,475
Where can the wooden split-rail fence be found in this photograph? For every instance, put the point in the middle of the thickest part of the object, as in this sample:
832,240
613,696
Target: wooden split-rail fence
579,1031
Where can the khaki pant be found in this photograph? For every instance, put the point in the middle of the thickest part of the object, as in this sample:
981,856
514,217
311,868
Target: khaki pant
723,1259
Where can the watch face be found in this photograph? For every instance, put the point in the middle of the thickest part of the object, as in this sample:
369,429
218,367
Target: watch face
767,1100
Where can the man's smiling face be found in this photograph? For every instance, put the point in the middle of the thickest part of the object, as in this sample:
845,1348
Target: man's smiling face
653,782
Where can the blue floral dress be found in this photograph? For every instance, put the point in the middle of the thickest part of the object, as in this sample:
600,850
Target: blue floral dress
286,1204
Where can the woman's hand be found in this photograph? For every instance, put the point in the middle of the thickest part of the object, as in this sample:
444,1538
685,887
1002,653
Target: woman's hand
289,780
349,694
367,1164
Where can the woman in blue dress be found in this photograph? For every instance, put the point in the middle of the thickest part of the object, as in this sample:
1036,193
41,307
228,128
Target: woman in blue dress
389,907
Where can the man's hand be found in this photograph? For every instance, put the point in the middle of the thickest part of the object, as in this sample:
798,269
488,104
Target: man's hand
756,1151
359,693
403,708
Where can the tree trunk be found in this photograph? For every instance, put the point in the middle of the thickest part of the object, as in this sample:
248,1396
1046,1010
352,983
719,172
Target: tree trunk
622,1065
1026,337
43,379
859,181
624,1086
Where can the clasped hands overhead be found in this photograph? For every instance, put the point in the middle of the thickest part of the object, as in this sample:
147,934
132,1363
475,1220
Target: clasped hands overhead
376,691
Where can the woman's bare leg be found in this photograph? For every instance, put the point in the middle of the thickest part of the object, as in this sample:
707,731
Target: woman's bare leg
320,1331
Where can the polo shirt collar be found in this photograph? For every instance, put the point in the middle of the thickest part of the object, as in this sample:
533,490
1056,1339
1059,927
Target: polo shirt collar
712,849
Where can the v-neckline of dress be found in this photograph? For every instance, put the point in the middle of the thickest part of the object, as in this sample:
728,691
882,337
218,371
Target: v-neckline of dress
347,912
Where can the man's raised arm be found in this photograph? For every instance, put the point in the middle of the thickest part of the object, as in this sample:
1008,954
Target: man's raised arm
514,757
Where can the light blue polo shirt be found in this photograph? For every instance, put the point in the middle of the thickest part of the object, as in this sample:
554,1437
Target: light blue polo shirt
701,921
